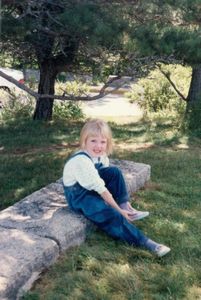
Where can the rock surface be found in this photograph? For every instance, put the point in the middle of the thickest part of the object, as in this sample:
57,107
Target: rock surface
34,231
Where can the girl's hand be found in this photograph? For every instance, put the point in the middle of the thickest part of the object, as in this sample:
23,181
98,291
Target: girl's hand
108,198
126,215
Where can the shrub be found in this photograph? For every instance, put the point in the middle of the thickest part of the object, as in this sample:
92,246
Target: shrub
155,94
67,110
74,88
16,107
70,110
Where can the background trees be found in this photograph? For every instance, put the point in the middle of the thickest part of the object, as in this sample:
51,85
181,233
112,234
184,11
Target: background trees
171,32
60,36
85,35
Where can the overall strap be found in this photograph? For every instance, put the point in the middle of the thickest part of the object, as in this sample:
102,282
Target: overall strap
98,165
81,153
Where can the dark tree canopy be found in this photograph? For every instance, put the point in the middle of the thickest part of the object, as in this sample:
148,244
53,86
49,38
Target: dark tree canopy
172,30
83,35
60,36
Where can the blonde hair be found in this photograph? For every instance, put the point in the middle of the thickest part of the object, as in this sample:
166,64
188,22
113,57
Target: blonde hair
94,127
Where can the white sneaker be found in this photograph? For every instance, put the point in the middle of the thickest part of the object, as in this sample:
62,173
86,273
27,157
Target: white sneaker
138,215
161,250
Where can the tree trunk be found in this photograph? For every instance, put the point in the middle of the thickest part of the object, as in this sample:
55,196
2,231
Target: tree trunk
194,94
193,108
44,106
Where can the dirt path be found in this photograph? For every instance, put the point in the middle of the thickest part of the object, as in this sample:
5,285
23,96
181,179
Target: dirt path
115,106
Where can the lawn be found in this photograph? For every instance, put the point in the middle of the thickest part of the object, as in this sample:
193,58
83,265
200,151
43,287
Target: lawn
33,154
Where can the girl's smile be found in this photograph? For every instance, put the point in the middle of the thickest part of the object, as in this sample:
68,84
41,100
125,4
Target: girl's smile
96,145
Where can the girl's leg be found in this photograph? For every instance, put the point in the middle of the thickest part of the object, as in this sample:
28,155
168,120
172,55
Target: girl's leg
109,220
115,183
115,225
104,216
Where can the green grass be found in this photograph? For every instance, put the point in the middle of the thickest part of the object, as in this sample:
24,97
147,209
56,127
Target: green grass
32,155
102,268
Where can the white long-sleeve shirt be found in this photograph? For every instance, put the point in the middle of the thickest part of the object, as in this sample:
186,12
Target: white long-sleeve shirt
81,169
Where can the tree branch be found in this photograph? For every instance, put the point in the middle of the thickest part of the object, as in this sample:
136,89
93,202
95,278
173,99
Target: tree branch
167,76
101,93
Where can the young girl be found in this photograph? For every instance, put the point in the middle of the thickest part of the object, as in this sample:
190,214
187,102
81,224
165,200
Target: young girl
98,191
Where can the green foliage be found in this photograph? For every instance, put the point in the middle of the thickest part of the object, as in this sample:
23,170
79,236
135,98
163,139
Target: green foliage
19,106
70,110
84,29
67,110
156,95
170,28
170,32
74,88
16,107
30,296
99,23
61,35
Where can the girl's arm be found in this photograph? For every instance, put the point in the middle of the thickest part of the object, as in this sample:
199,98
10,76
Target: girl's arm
108,198
82,170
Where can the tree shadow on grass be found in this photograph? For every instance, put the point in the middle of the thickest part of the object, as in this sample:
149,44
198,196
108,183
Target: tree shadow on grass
22,175
28,133
158,134
32,155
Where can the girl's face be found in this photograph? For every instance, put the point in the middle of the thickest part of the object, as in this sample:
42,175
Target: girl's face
96,145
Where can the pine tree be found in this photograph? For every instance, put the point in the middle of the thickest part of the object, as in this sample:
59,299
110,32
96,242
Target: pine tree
59,36
171,30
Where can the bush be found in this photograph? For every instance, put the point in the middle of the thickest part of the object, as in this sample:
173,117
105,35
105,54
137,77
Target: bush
67,110
155,94
16,107
20,106
70,110
74,88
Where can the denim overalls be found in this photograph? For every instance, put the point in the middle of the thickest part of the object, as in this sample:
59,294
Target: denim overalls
93,207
